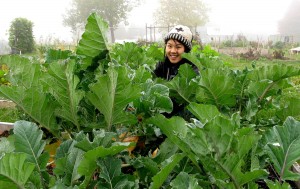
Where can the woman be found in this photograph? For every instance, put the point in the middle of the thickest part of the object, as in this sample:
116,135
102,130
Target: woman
177,42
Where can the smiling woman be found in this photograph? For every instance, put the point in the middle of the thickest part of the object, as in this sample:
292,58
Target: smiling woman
177,41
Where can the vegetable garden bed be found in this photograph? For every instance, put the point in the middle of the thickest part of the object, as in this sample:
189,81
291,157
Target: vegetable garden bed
238,129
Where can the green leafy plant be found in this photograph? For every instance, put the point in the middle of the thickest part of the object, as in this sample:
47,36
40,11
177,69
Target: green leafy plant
236,125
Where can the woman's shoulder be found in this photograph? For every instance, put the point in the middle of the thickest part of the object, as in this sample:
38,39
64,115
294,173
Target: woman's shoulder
159,69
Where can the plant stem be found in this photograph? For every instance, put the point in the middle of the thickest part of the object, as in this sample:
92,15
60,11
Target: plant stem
229,174
265,92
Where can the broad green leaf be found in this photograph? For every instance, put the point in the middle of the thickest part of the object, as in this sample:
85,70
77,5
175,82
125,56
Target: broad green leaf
59,185
277,185
166,150
175,129
110,172
93,41
274,72
290,107
217,88
15,170
23,71
261,89
33,101
251,176
67,161
219,134
89,164
130,54
27,91
193,57
63,149
62,85
55,55
141,75
28,139
155,98
100,138
282,146
229,165
169,165
111,94
184,180
183,83
203,112
145,166
6,145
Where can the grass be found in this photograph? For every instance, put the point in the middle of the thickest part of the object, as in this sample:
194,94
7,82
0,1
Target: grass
239,63
9,115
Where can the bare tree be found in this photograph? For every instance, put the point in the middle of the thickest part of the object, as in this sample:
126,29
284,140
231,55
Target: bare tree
113,11
190,13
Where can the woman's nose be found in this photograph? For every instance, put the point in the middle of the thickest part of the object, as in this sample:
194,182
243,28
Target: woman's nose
173,49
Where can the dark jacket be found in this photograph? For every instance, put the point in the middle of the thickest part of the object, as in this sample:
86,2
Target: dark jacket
168,71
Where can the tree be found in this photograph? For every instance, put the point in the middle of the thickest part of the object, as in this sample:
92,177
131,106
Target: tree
21,36
113,11
173,12
290,24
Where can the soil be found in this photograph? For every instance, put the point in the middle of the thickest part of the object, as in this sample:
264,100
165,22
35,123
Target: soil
7,104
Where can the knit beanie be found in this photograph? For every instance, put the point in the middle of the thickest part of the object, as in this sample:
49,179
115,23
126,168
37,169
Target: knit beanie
182,34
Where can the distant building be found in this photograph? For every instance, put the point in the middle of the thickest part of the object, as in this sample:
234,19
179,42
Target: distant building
285,38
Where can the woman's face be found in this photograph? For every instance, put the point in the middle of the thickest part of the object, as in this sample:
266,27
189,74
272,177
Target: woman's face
174,50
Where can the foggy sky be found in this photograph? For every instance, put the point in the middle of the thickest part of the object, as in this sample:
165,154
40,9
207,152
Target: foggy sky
228,16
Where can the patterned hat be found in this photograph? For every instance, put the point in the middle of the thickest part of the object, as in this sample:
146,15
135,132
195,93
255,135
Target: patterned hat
182,34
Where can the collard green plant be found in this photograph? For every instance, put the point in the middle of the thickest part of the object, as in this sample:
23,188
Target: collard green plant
282,144
111,175
111,94
95,100
217,87
62,85
28,140
15,170
183,84
93,41
220,146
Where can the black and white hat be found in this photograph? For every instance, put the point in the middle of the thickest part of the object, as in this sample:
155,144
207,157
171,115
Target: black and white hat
182,34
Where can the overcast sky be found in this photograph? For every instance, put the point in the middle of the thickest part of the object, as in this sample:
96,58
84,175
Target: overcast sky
230,16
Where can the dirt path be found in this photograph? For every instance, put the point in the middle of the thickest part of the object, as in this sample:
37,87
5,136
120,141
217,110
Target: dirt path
7,104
